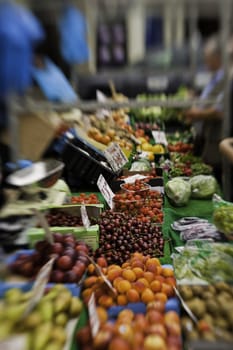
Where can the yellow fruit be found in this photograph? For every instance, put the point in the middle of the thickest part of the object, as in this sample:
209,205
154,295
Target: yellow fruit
147,147
159,149
142,140
150,156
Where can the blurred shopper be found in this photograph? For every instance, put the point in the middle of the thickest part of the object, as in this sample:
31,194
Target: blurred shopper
207,120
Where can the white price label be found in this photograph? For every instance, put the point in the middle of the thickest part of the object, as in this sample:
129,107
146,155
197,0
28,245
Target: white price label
39,285
159,137
115,156
105,190
133,178
85,218
93,316
16,343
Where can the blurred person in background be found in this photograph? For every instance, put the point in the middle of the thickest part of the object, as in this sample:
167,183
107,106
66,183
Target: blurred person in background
207,119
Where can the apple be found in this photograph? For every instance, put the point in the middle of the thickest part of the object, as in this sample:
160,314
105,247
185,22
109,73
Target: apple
57,276
64,262
58,237
57,248
70,276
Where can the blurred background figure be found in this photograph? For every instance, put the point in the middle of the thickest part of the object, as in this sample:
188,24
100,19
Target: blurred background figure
207,120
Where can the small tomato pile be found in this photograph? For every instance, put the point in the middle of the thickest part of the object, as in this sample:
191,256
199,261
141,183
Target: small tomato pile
146,206
84,198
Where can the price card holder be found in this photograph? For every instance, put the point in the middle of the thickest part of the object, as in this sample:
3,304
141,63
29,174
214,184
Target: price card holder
39,285
85,218
93,316
115,156
160,137
16,342
105,190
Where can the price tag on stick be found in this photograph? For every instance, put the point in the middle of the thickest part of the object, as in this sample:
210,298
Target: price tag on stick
85,218
100,273
160,137
15,342
105,190
39,285
115,156
93,316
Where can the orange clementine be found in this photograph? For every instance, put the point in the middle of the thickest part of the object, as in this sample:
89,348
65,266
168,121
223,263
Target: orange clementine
129,275
118,343
125,264
90,281
105,301
117,281
126,313
87,293
138,271
167,289
171,281
102,314
161,296
137,263
167,272
139,286
132,295
154,261
113,273
147,295
122,299
123,286
149,276
160,278
91,269
156,286
144,281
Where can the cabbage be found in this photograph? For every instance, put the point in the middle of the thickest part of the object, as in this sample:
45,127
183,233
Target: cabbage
141,165
203,186
178,191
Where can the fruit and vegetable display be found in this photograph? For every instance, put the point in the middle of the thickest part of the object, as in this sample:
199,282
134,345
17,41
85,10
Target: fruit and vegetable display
44,327
186,165
156,329
139,279
146,205
179,190
121,235
204,263
212,306
84,198
196,228
112,128
70,263
157,272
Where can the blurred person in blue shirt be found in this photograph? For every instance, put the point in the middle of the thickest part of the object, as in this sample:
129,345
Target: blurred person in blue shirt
207,119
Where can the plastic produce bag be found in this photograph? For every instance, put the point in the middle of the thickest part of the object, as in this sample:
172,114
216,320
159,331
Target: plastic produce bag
53,83
203,186
178,191
204,263
223,216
